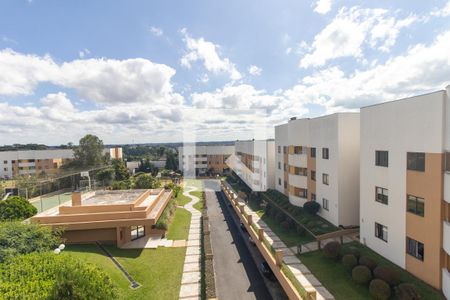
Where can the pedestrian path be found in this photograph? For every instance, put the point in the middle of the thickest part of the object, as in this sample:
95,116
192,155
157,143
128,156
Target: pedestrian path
153,241
190,281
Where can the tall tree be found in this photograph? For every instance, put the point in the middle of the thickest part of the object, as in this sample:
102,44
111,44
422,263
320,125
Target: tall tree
89,153
172,161
120,169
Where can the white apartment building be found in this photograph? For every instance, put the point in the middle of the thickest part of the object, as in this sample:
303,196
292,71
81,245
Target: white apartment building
254,163
405,184
196,160
27,162
318,160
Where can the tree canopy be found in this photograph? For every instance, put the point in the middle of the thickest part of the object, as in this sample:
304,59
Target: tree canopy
120,169
146,181
172,161
16,208
89,153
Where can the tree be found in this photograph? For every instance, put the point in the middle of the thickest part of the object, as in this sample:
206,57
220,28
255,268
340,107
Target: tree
89,153
146,181
105,175
120,169
16,208
172,161
146,166
50,276
20,238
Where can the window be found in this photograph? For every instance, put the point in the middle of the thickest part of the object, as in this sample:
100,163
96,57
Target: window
325,153
381,232
381,195
279,181
416,205
279,149
325,204
416,161
285,184
137,232
313,197
415,248
284,167
279,165
303,193
5,169
325,179
381,158
313,175
299,171
284,149
313,152
5,162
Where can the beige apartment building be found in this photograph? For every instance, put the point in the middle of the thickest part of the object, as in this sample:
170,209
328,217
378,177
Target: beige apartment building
405,184
196,160
114,217
318,160
32,162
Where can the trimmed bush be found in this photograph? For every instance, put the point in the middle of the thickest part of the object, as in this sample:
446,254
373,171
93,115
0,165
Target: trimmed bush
349,261
300,230
311,207
331,250
361,274
353,250
379,289
16,208
368,262
407,291
387,274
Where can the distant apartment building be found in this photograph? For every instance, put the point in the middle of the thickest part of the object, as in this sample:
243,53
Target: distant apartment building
318,160
32,162
405,184
201,160
115,153
254,163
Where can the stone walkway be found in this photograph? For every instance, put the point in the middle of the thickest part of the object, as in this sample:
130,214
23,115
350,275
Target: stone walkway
153,241
190,281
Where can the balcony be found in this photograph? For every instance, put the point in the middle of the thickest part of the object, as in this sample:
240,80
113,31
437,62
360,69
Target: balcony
298,160
446,242
447,187
446,283
298,181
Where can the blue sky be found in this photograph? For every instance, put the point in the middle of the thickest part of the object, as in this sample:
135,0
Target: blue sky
148,71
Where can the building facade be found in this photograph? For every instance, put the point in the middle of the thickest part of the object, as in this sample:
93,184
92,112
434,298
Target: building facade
200,160
115,153
254,163
405,184
32,162
318,160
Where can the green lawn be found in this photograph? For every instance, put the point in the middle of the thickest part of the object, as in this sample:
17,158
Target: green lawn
198,205
179,228
157,270
182,200
194,183
338,280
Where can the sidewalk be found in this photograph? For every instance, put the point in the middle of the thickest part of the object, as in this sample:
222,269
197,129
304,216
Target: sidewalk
190,282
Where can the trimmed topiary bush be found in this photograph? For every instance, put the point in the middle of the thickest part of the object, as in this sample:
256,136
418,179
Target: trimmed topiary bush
379,289
311,207
349,261
407,291
387,274
331,250
353,250
361,274
368,262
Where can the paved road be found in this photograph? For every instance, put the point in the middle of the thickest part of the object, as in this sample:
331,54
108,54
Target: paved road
237,276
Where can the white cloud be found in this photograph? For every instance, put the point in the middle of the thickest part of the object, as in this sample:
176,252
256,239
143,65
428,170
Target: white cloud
350,30
207,52
156,31
204,78
254,70
442,12
323,6
84,52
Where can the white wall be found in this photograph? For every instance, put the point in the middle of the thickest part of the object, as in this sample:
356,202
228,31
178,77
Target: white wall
281,140
414,124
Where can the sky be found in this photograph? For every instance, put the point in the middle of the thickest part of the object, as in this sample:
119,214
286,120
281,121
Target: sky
168,71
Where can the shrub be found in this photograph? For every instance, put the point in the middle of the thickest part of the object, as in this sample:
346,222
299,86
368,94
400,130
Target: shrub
368,262
50,276
407,291
16,208
300,230
387,274
311,207
285,225
349,261
353,250
361,274
379,289
146,181
331,250
280,217
19,238
166,215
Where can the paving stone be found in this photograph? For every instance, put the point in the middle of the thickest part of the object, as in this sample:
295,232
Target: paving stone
193,250
191,267
194,243
190,290
278,244
191,277
290,259
323,294
299,269
192,259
